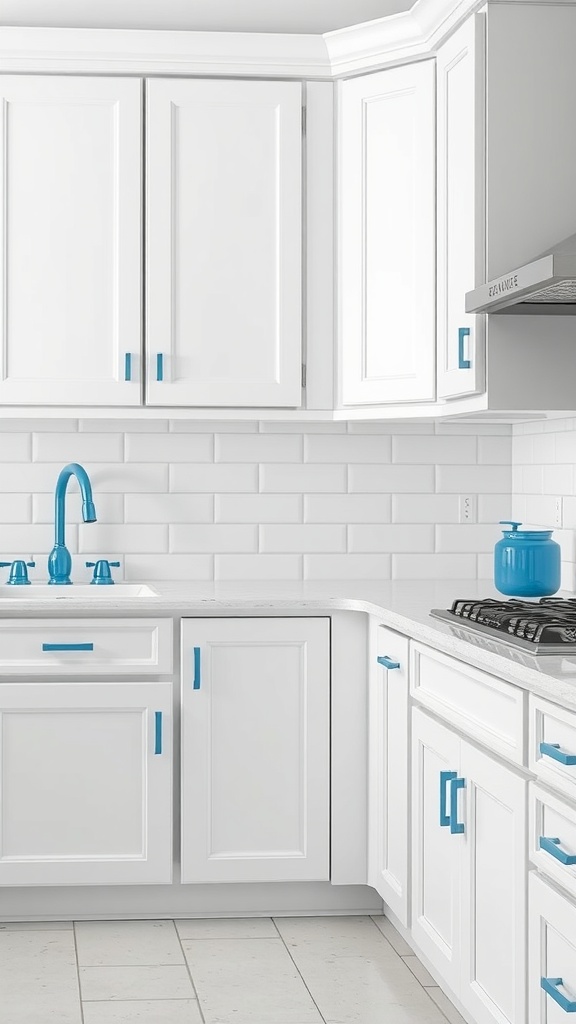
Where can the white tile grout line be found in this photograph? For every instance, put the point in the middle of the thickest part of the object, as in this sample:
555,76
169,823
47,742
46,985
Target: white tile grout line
78,973
189,971
304,982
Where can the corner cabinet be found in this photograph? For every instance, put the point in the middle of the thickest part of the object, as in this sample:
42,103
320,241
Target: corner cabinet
386,236
255,749
70,239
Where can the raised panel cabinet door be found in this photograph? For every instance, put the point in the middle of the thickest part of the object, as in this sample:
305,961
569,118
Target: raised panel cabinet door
386,245
85,783
224,242
70,252
388,858
551,954
493,892
460,71
436,848
255,749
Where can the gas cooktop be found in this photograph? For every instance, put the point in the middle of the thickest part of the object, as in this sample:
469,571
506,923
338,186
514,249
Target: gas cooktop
547,626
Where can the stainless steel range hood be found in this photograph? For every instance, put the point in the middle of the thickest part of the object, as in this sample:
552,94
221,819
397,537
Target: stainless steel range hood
547,286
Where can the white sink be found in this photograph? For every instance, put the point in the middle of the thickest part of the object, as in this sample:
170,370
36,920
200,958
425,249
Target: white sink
78,592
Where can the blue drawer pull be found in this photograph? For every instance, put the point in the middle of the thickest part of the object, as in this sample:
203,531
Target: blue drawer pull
463,364
553,750
444,778
552,846
158,732
387,662
67,647
550,986
159,366
128,366
197,676
456,827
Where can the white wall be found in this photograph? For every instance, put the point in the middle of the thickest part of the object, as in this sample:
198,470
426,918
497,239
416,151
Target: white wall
544,470
227,501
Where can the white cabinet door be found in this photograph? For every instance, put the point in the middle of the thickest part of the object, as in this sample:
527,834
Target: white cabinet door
70,233
460,226
493,931
388,769
86,783
436,851
386,261
552,954
255,750
224,239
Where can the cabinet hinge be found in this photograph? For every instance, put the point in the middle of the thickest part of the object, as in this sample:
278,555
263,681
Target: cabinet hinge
303,120
303,375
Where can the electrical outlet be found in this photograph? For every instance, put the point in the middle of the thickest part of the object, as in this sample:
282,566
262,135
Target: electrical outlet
467,508
558,502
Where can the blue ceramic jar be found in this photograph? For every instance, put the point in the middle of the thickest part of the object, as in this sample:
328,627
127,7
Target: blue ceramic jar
526,562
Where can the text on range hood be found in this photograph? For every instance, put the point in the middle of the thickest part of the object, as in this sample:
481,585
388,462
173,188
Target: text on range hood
547,285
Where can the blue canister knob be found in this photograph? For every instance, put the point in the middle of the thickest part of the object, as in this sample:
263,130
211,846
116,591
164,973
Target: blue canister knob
526,562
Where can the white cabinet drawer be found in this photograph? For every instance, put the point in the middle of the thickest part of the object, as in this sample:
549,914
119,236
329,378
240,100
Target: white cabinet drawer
552,954
553,745
553,836
60,647
479,704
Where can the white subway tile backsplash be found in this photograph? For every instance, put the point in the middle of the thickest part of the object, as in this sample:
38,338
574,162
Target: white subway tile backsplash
433,567
557,479
169,447
168,508
278,427
473,479
109,507
258,567
435,450
347,508
467,537
17,508
37,538
169,567
135,478
495,450
258,508
258,448
213,426
425,508
544,449
78,448
102,426
390,427
112,539
564,447
213,539
324,448
540,509
28,426
212,478
286,538
390,538
485,566
347,567
494,507
16,447
532,479
391,479
302,479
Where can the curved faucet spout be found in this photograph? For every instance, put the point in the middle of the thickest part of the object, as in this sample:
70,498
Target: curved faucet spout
59,561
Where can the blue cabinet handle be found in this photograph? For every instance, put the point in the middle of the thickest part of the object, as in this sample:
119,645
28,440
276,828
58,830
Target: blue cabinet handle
197,670
159,366
553,750
550,986
387,662
552,846
463,364
456,827
67,647
158,732
445,777
128,366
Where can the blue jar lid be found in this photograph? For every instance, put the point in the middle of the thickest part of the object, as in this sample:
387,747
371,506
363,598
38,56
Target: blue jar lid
523,534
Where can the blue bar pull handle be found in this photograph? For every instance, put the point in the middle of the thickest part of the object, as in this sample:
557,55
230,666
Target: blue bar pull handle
445,777
463,364
159,366
128,366
456,827
157,732
553,750
551,987
552,846
67,647
387,662
197,669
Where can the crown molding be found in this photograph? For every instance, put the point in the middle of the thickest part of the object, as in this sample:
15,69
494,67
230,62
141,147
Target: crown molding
408,36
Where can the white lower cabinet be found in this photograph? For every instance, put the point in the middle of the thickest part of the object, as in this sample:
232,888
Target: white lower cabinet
255,749
388,870
552,954
86,783
468,870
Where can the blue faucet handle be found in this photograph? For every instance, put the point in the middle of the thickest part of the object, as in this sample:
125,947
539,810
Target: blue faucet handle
102,574
19,571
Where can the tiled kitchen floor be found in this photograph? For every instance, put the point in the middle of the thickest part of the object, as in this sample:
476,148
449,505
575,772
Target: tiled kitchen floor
304,970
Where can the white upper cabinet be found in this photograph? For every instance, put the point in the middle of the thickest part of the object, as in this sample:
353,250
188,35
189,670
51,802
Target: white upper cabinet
223,242
460,211
386,244
70,252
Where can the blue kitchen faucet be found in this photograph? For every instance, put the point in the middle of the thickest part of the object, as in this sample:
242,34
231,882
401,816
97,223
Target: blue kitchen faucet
59,560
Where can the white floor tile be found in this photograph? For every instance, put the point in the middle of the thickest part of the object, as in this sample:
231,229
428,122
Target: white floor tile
38,979
393,936
228,928
448,1009
340,936
127,944
419,971
143,1011
248,981
38,949
36,926
135,983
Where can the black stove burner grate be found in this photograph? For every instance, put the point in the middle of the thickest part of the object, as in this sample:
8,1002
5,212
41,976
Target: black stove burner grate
551,620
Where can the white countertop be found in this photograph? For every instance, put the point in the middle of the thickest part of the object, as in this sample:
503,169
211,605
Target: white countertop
404,606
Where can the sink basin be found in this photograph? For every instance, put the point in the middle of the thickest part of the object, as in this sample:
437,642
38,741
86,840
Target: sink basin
78,592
